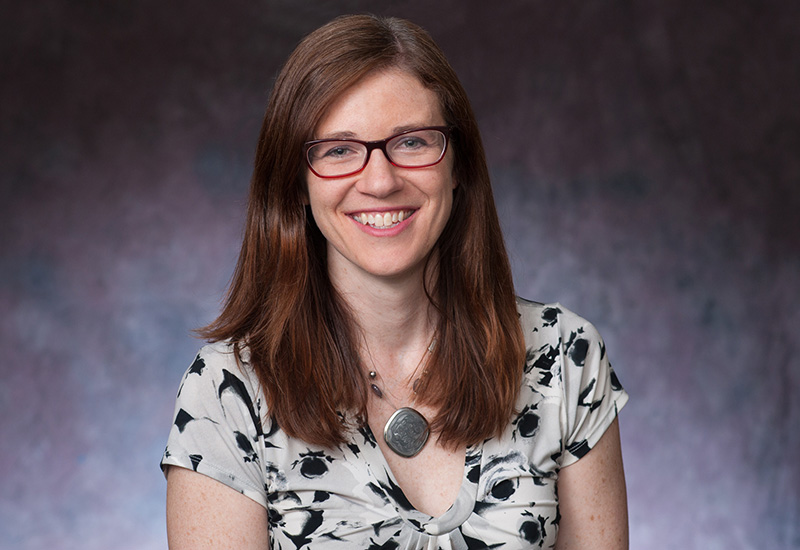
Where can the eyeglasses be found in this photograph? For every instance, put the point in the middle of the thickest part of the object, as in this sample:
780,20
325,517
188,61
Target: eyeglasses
337,158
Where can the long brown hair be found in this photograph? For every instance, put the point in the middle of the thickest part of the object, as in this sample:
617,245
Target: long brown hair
281,304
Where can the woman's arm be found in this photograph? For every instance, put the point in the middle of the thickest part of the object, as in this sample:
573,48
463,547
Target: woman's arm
202,513
592,498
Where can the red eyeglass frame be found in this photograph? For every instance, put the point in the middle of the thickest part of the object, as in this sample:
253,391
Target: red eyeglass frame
446,131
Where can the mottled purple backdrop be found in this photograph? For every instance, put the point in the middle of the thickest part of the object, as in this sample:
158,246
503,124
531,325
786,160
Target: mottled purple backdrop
646,158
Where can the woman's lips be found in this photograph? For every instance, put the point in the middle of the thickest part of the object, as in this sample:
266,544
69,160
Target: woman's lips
382,220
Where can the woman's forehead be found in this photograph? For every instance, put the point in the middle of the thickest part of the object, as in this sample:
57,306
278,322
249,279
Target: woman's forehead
385,101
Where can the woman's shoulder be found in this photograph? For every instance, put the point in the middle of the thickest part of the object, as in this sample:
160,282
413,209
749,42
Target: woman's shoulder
217,366
224,353
566,364
539,319
217,428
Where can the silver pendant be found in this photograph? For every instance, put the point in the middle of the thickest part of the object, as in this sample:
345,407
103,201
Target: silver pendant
406,432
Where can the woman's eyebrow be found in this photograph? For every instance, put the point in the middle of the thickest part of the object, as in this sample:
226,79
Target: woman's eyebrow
407,127
346,134
338,135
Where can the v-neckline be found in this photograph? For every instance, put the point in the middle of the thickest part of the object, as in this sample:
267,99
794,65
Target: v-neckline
458,512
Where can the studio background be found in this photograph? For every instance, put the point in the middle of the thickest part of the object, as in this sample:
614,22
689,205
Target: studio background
646,163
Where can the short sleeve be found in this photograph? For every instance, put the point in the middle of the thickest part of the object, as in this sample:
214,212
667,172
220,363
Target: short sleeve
592,394
217,424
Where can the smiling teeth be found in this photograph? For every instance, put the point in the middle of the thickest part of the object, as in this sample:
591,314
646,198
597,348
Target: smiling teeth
386,219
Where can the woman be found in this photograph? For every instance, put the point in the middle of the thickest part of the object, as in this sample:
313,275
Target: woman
372,381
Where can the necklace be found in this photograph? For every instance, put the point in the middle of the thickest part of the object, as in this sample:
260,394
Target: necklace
406,431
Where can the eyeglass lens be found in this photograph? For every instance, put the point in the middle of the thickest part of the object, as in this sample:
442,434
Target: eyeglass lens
415,149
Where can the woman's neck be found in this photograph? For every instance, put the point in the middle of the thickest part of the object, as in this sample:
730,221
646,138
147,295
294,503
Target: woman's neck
394,316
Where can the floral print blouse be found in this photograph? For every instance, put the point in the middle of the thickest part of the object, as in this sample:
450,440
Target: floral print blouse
347,497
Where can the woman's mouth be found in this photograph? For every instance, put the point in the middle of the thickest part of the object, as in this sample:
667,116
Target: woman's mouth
382,220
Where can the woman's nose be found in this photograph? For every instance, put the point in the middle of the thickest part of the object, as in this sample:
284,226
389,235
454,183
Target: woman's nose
379,177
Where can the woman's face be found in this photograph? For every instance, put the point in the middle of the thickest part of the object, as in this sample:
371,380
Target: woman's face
380,105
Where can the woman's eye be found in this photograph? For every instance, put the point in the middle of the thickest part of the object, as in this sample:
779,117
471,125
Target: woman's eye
339,151
412,142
